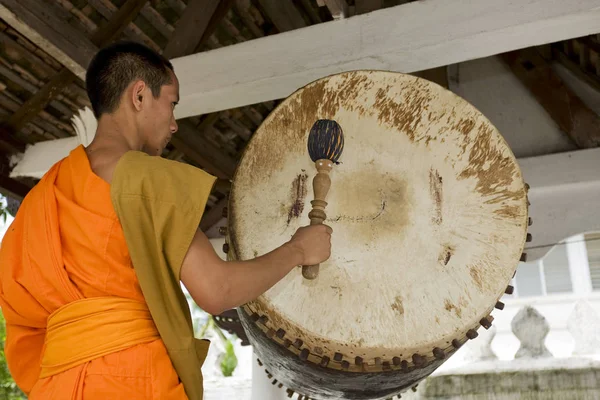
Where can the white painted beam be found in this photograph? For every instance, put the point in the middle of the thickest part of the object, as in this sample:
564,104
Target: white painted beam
407,38
40,157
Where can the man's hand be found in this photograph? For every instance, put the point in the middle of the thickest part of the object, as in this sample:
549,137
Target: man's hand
313,242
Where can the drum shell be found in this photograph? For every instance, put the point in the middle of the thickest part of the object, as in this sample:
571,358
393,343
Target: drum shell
321,383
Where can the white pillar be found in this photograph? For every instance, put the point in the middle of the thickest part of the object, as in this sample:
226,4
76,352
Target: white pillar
262,388
579,266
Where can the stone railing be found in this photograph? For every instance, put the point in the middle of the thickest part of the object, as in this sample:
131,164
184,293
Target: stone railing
534,373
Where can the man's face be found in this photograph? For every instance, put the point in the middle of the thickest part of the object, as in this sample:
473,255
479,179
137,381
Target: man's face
159,118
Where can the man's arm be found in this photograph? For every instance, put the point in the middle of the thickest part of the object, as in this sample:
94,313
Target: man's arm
217,285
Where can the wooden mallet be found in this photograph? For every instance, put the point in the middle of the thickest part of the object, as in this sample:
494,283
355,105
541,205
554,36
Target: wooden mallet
325,145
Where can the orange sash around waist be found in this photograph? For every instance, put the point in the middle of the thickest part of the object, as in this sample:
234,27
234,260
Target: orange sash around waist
90,328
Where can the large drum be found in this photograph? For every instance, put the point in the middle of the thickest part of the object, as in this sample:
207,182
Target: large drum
429,213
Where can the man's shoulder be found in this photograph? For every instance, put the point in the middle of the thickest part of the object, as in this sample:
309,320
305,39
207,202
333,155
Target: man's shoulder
138,173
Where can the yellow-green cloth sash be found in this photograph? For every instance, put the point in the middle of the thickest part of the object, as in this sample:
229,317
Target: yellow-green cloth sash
159,203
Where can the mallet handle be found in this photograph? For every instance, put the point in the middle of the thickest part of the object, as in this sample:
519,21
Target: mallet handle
321,185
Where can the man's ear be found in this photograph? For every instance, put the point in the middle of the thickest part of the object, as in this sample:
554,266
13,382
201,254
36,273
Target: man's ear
137,94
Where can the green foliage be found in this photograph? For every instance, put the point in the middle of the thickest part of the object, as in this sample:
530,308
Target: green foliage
8,387
228,359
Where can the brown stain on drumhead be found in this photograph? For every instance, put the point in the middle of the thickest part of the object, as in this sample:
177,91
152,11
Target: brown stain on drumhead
298,193
476,276
508,212
406,114
446,254
375,208
493,170
449,306
435,188
397,306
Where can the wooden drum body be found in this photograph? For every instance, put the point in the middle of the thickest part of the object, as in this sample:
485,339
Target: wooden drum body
429,213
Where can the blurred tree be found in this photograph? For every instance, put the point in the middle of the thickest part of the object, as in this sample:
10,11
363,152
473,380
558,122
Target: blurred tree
8,387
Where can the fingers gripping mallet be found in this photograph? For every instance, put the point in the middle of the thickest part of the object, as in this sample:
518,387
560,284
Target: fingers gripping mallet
325,145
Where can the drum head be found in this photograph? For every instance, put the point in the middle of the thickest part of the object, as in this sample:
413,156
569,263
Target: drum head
428,208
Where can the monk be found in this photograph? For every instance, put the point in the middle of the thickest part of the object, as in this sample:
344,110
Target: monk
90,269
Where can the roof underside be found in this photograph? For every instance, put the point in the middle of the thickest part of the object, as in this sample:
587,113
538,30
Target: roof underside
212,141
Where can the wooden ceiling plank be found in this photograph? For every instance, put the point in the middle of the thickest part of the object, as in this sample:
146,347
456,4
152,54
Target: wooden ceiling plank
564,60
337,8
42,97
25,53
40,23
190,28
177,5
40,100
157,21
366,6
569,112
437,75
312,13
120,20
214,215
217,18
242,8
12,188
284,14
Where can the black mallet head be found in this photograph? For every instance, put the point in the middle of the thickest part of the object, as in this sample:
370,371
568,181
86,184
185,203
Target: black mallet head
325,141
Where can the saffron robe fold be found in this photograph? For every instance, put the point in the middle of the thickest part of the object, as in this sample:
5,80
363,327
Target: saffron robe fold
66,244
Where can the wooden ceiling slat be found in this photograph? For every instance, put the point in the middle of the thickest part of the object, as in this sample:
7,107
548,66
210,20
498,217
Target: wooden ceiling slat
242,7
366,6
12,188
45,25
314,16
29,56
38,102
190,28
284,14
157,21
42,19
177,5
108,9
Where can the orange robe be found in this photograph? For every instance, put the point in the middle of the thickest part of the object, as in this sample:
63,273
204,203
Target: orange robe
66,244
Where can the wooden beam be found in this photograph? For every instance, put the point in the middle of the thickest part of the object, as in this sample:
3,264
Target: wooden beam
214,215
366,6
104,35
411,37
32,107
562,58
437,75
337,8
110,31
217,17
284,14
569,112
190,28
189,141
39,22
13,188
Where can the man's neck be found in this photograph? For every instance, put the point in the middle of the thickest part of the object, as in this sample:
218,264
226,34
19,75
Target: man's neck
114,137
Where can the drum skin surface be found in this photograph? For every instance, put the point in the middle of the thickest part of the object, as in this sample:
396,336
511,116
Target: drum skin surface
429,215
